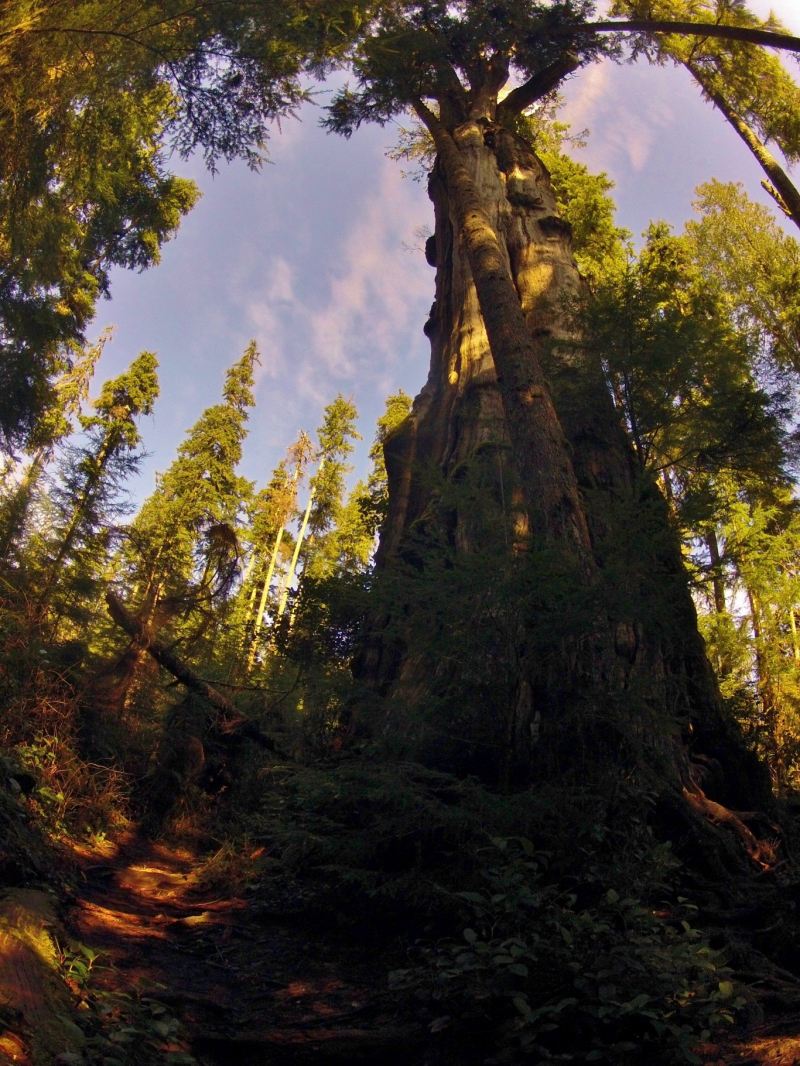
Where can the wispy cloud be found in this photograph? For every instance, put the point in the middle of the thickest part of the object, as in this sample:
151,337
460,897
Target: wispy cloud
265,315
624,116
587,95
375,294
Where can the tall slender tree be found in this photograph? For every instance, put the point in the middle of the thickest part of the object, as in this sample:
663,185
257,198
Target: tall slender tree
754,264
181,553
275,507
95,470
335,438
57,421
748,86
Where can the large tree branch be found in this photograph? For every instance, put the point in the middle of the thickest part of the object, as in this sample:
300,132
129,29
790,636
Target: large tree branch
748,34
536,87
780,186
137,629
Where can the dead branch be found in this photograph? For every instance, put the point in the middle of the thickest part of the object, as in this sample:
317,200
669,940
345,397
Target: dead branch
229,722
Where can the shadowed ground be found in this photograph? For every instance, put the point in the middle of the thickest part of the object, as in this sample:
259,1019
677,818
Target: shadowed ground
240,982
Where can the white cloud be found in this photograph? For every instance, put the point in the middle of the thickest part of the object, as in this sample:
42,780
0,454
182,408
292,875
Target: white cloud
280,286
265,316
625,116
375,293
587,95
267,329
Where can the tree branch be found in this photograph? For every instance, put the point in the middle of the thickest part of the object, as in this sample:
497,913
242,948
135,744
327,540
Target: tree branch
536,87
748,34
229,722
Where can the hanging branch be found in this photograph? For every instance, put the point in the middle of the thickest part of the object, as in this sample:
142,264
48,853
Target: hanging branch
748,34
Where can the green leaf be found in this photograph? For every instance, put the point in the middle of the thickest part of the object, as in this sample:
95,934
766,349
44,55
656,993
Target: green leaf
470,936
522,1005
472,897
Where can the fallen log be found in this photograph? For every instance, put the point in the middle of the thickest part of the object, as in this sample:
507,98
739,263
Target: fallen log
229,722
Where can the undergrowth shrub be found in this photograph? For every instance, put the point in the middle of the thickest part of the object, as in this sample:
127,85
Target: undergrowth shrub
540,974
541,926
40,730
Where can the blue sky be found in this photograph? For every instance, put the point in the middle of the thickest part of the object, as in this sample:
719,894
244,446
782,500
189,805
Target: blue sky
318,257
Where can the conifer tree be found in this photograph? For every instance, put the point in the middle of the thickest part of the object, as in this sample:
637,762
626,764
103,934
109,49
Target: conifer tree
55,424
754,265
685,362
375,498
683,374
273,509
755,644
95,471
84,154
182,550
326,489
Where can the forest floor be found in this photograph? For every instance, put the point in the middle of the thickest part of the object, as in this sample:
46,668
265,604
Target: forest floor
220,980
167,971
188,978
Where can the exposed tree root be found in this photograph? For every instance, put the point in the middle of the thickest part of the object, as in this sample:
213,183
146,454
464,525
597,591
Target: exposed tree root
761,852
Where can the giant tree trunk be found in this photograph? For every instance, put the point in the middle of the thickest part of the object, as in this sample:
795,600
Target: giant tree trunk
564,485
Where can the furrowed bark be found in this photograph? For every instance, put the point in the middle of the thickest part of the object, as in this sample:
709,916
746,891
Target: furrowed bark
643,650
540,449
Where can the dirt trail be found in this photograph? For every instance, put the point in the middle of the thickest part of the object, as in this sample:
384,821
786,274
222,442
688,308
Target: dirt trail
245,988
224,982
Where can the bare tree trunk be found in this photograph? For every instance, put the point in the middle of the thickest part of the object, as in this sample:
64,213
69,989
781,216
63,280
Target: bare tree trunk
262,603
296,553
717,581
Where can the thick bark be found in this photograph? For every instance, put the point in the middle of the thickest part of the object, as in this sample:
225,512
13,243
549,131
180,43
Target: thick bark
539,445
564,474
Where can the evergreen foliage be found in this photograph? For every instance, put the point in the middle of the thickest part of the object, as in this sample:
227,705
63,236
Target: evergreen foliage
753,264
184,537
84,153
94,473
